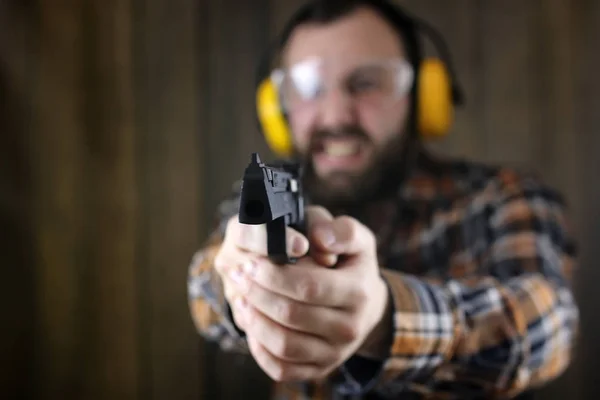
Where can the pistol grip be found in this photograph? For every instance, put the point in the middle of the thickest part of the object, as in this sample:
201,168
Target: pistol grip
276,242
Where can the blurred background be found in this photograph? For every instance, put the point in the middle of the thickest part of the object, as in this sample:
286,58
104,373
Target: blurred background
123,122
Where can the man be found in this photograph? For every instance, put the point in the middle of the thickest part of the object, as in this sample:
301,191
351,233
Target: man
418,277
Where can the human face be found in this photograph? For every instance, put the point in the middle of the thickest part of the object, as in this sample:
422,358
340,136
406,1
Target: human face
346,133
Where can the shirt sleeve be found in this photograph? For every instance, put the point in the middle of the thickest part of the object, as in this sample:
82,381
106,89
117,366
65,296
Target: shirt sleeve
209,309
506,328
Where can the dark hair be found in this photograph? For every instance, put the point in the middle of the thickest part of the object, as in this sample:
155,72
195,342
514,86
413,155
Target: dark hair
327,11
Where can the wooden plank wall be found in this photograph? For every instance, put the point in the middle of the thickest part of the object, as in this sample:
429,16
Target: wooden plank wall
16,286
123,122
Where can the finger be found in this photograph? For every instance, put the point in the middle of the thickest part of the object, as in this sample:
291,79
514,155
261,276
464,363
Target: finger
226,258
324,259
289,346
320,235
352,237
279,370
253,239
236,283
308,283
230,290
230,261
232,293
239,316
316,217
229,265
284,343
329,324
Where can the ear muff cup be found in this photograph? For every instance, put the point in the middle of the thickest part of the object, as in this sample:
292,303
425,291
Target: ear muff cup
435,104
272,119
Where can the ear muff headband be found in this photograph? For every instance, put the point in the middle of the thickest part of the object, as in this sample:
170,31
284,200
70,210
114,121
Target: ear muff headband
437,92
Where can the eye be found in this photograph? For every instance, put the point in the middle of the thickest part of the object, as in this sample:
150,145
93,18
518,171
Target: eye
363,84
366,79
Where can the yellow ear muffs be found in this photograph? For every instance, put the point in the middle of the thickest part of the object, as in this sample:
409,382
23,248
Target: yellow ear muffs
272,119
435,109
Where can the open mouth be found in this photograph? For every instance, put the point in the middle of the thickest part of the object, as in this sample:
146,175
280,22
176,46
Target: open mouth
340,154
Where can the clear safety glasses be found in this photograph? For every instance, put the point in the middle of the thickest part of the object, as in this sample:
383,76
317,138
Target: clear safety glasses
375,83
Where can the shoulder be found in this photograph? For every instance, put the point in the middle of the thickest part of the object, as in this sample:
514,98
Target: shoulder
504,184
493,183
514,201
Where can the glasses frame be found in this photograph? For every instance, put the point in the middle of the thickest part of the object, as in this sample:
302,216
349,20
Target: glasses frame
404,77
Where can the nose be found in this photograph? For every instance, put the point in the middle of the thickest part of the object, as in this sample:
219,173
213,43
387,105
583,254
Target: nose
336,109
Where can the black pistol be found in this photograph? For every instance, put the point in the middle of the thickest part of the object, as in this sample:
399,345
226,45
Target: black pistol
272,195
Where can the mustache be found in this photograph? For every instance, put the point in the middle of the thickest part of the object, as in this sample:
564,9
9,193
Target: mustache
350,131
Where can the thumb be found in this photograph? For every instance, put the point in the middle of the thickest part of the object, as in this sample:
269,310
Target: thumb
352,237
319,231
320,235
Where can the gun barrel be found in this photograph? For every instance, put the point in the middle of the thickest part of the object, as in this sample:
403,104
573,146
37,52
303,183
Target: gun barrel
272,196
255,206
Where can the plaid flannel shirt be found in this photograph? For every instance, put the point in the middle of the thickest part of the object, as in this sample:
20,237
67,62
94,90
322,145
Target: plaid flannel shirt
478,261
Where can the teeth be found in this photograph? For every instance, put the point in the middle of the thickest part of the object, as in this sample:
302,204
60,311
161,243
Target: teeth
341,149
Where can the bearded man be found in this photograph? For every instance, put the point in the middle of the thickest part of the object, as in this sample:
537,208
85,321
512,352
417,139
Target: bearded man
417,276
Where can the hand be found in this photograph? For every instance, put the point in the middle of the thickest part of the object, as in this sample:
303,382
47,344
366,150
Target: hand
243,243
303,320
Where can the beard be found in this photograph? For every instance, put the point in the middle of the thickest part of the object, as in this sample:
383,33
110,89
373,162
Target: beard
350,190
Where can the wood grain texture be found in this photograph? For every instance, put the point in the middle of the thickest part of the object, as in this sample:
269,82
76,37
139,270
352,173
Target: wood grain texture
459,22
168,168
124,122
17,286
236,34
587,104
85,202
109,193
58,158
508,82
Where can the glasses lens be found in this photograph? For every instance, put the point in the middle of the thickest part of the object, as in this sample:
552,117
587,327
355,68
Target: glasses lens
376,83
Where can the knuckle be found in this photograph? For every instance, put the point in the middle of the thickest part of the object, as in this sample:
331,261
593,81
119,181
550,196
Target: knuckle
283,346
354,230
319,211
317,208
229,292
237,319
219,261
347,225
248,289
346,221
277,372
322,374
361,293
308,289
370,238
295,241
285,311
349,332
268,275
